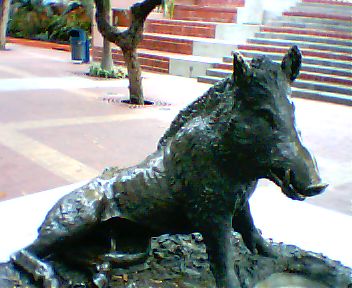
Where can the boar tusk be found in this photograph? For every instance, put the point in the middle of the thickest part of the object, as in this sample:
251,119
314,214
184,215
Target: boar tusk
287,179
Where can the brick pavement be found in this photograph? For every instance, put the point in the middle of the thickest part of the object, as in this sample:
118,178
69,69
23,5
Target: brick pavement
56,129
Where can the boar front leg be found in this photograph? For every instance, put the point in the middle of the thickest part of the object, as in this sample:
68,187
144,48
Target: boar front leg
217,237
242,222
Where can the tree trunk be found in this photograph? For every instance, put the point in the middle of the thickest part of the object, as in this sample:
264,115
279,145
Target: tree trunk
4,17
106,60
128,40
134,76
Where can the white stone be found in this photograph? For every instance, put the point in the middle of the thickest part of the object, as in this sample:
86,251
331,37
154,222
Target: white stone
212,48
236,33
188,68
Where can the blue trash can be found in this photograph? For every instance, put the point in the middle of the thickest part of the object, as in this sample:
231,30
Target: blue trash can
79,45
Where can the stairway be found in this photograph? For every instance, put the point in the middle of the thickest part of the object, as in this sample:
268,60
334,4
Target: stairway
168,42
323,31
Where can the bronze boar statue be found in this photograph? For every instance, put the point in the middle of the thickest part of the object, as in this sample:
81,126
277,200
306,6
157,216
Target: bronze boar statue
199,179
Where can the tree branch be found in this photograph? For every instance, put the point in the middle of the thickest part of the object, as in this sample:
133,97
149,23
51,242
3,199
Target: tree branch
108,31
141,10
129,38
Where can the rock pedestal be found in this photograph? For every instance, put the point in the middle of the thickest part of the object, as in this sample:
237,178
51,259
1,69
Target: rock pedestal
181,261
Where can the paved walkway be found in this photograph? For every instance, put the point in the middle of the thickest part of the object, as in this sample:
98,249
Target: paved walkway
56,128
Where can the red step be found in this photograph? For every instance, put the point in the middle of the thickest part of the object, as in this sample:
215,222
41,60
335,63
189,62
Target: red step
307,31
183,28
220,3
329,2
317,15
305,52
209,14
166,43
121,17
224,66
155,63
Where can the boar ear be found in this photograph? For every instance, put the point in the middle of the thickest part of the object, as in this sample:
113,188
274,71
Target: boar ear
291,63
240,69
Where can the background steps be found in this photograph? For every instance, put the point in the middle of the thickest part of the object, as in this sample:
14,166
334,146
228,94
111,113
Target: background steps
305,67
323,31
305,51
304,75
166,43
148,61
301,44
308,31
306,38
157,61
323,95
205,13
322,86
186,44
303,84
316,20
321,28
329,2
318,8
311,25
306,60
331,15
179,27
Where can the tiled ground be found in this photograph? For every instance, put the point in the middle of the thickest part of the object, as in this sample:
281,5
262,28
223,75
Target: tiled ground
56,129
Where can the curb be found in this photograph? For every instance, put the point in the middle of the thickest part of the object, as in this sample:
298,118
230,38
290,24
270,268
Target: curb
39,44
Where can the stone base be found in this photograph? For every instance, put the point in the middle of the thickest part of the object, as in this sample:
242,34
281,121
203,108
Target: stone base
181,261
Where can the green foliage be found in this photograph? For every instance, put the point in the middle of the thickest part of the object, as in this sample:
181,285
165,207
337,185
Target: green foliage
31,19
118,72
61,26
28,19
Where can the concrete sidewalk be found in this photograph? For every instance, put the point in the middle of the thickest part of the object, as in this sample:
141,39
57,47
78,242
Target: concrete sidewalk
56,128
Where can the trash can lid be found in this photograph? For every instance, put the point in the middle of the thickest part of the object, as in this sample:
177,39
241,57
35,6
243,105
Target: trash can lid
78,33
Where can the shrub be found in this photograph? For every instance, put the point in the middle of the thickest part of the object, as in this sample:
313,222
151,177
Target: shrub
118,72
28,19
